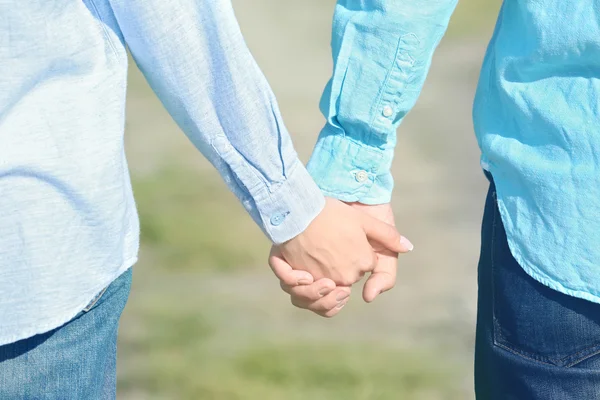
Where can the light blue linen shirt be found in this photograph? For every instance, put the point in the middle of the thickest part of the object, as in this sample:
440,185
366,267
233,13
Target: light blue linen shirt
536,117
68,222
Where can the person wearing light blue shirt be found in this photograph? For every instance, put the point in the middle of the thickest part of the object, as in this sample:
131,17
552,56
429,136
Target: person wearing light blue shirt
69,230
536,116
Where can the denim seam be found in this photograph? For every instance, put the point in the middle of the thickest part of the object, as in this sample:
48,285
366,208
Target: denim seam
574,363
496,325
521,354
548,360
492,254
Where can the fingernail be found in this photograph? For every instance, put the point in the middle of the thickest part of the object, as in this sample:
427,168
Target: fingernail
304,281
406,243
341,305
324,291
341,296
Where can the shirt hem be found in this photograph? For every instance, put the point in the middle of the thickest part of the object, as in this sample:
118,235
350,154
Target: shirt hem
533,272
58,322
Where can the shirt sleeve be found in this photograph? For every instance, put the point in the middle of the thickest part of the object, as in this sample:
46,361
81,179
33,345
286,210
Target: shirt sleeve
382,51
194,57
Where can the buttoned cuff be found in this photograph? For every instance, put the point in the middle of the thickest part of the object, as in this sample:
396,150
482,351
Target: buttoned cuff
287,209
351,171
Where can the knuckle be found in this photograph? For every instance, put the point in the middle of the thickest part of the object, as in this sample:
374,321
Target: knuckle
347,281
367,262
327,314
296,302
314,294
391,232
284,287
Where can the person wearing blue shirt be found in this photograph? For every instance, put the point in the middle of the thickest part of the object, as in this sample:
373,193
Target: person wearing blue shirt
536,117
67,219
69,229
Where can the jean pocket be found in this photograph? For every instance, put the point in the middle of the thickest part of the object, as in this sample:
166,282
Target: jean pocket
534,321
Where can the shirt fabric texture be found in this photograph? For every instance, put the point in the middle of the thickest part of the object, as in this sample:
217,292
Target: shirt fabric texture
536,116
68,224
68,220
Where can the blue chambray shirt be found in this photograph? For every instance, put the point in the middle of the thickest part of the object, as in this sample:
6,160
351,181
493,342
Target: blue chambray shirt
536,117
68,221
68,224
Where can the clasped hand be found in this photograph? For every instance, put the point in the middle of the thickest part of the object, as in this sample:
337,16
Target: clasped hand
342,244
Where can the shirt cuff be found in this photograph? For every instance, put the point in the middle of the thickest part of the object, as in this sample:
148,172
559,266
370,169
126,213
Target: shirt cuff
287,210
351,171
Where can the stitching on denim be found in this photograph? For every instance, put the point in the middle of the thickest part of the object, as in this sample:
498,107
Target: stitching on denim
575,362
578,357
104,29
496,328
492,254
524,355
549,360
581,353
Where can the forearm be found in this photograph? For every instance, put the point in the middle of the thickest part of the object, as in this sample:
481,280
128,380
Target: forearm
194,57
382,51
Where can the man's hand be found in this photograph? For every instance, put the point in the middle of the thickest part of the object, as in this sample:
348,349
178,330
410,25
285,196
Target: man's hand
339,244
322,296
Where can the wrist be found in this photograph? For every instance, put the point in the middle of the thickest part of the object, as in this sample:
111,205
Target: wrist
351,171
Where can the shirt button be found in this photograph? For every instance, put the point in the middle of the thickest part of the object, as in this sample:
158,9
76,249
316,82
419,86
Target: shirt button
387,111
361,176
277,219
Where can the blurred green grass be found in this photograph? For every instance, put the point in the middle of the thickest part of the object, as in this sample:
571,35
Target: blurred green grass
190,221
295,372
180,356
193,226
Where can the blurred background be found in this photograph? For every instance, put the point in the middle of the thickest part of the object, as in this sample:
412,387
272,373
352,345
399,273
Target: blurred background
206,319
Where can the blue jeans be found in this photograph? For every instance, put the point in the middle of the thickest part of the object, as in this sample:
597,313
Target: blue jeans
75,361
532,342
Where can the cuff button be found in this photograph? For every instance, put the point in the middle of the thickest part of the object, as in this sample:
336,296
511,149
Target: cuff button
361,176
277,219
387,111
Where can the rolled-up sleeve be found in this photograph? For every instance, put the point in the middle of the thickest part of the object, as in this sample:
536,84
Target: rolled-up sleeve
382,50
194,57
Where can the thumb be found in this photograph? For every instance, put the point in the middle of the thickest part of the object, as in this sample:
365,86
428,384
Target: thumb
382,279
385,234
284,271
